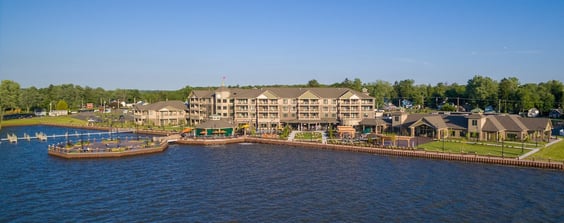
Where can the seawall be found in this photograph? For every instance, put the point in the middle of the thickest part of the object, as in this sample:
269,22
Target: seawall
383,151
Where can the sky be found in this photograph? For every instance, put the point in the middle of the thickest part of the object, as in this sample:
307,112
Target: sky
168,44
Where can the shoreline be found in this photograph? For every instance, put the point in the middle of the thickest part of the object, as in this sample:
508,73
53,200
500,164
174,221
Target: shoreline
349,148
383,151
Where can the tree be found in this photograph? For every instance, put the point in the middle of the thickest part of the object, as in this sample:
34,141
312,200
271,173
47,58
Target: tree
357,84
30,97
448,107
9,95
62,105
508,88
313,83
482,91
381,91
548,99
556,88
405,90
528,96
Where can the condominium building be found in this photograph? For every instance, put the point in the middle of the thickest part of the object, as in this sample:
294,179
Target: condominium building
268,109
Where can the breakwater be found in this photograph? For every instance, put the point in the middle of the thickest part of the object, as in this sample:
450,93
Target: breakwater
383,151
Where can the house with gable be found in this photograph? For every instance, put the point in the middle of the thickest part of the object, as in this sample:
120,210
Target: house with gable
160,113
478,126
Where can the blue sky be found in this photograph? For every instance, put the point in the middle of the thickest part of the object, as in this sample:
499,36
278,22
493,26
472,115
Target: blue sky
170,44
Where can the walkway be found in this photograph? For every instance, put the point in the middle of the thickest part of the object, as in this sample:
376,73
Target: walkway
535,150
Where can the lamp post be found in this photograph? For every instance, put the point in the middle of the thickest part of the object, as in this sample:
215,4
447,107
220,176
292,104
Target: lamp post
502,147
443,136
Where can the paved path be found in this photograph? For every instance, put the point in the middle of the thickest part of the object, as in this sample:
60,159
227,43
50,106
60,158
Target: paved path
535,150
323,137
292,135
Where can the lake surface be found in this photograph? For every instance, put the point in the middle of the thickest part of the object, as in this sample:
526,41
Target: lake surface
265,183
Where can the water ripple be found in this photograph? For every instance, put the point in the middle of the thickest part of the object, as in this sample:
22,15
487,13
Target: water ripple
265,183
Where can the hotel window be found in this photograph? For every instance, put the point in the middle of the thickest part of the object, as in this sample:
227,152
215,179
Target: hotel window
325,109
474,122
224,100
325,101
285,101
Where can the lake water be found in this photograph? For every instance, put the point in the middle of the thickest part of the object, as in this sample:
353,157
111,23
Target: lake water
266,183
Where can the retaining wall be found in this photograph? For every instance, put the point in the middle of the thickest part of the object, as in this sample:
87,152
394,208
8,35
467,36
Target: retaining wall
390,152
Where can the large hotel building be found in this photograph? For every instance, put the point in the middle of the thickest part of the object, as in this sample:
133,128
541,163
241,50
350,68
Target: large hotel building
268,109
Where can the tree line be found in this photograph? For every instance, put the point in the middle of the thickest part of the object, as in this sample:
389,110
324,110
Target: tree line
507,95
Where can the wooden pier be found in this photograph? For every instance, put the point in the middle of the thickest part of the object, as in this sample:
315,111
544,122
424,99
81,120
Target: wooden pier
13,138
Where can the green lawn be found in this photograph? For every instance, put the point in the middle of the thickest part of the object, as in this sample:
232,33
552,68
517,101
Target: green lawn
553,152
67,120
485,150
308,136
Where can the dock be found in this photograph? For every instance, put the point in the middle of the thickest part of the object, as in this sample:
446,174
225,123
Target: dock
13,138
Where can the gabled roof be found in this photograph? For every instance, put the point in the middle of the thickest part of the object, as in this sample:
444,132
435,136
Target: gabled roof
170,105
511,123
434,121
493,125
539,124
411,118
201,93
456,121
283,92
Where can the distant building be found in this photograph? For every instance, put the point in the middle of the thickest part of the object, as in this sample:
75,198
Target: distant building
269,109
482,127
58,112
556,113
161,113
